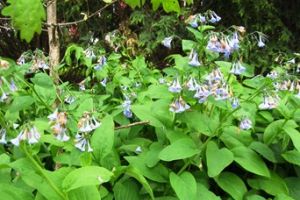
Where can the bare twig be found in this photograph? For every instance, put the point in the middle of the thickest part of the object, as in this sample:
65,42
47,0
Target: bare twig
81,20
132,124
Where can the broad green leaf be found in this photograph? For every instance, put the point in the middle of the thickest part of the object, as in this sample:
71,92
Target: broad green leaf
43,80
232,184
250,161
126,190
180,149
292,157
294,135
103,138
158,173
204,193
86,176
135,3
26,15
283,197
155,4
135,173
217,159
293,184
171,6
188,45
273,185
84,193
184,185
21,103
272,131
11,192
255,197
263,150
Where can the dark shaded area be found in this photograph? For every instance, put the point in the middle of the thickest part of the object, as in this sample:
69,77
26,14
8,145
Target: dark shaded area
276,18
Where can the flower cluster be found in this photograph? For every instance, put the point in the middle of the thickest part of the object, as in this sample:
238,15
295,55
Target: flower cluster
30,134
58,122
11,85
86,125
207,17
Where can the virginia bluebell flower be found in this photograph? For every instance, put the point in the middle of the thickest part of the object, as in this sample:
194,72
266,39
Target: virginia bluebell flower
3,97
30,134
202,93
179,105
101,62
246,124
127,108
89,53
87,123
138,150
202,18
213,44
69,99
103,82
235,102
3,136
273,74
234,41
194,61
192,84
167,42
175,87
269,102
193,21
82,142
222,93
12,86
261,41
214,17
237,68
81,85
21,60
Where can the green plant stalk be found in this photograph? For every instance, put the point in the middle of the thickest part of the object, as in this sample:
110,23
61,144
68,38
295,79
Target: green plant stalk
41,170
35,92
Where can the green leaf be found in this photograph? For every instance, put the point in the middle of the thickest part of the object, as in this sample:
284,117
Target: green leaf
135,3
283,197
155,4
43,80
21,103
250,161
293,184
217,159
26,15
273,185
10,192
263,150
204,193
184,185
272,131
180,149
232,184
135,173
292,157
294,135
188,45
86,176
126,190
171,6
84,193
103,138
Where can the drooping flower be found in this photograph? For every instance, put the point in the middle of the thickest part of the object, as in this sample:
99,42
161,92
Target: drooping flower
103,82
3,97
127,108
222,93
246,124
235,102
167,42
193,21
87,123
30,134
89,53
234,41
82,85
194,61
82,142
138,150
53,116
237,68
261,41
3,136
192,85
101,63
21,60
179,105
175,87
69,99
59,121
269,102
273,74
12,86
214,17
213,44
60,132
202,18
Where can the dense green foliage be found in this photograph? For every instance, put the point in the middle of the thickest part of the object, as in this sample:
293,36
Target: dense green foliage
180,108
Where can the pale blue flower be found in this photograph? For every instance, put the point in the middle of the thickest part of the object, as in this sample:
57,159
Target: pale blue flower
175,86
127,108
194,61
237,68
103,82
30,134
179,106
246,124
101,62
269,102
82,142
235,102
167,42
192,85
3,136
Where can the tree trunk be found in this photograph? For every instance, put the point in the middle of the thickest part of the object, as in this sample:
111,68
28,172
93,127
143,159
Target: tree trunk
53,38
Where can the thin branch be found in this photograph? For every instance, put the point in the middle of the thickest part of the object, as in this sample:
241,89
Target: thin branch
132,124
82,20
